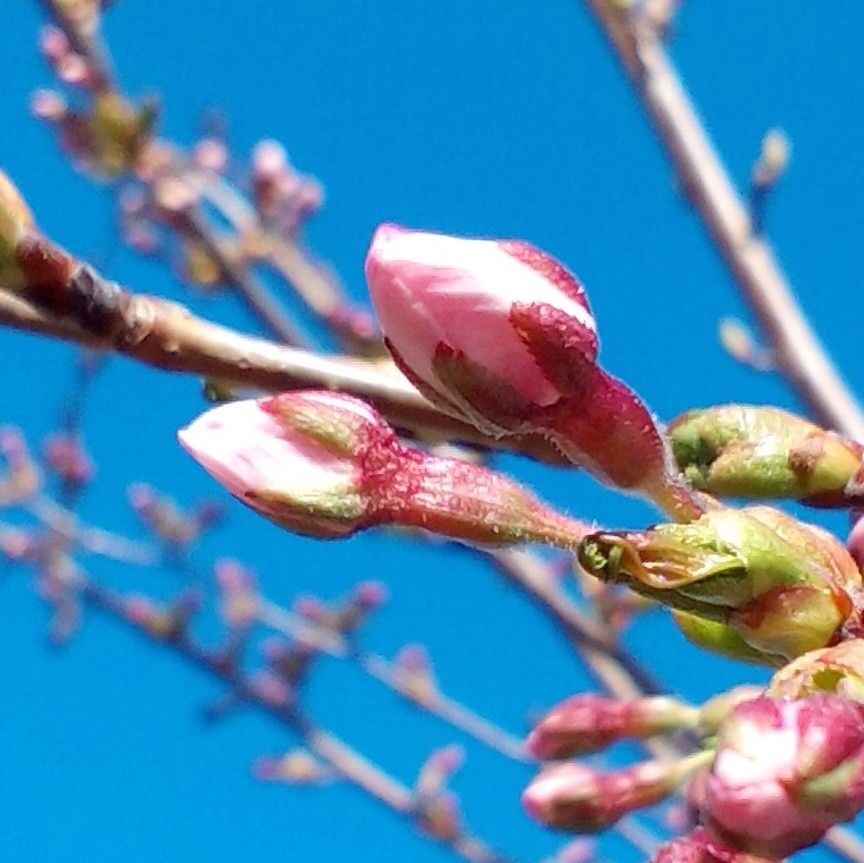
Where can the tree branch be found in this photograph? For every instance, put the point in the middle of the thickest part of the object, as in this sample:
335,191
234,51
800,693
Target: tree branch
799,353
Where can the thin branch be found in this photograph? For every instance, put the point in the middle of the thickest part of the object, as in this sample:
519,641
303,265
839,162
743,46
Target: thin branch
349,764
239,274
168,336
436,703
800,355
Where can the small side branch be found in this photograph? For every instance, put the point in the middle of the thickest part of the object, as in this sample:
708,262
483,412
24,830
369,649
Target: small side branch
799,353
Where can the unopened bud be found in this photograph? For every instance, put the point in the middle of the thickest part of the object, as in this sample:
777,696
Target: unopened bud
701,847
759,453
773,158
837,670
785,772
579,798
783,586
327,465
587,722
501,334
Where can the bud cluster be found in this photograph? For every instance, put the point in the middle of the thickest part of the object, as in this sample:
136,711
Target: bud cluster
752,583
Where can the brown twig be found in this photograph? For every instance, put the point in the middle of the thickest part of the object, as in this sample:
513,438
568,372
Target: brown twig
239,275
434,702
346,762
166,335
800,355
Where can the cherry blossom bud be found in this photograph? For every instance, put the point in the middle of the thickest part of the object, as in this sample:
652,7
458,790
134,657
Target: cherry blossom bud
701,847
587,722
298,767
53,43
173,197
582,850
414,676
501,334
239,599
785,772
211,154
576,797
439,816
759,453
66,457
781,586
48,105
327,465
773,158
438,769
837,670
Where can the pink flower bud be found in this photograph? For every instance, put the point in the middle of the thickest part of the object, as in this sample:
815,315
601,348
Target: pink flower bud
53,43
701,847
501,334
48,105
67,458
785,772
370,595
211,154
587,722
448,297
325,464
576,797
306,484
269,160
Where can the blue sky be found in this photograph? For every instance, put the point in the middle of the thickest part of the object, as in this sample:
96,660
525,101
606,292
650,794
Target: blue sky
469,116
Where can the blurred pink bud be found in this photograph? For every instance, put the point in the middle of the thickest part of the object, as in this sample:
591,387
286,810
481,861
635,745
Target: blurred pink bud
438,815
211,154
297,767
501,334
239,600
310,608
701,847
140,237
327,465
141,498
785,772
67,458
588,722
13,447
309,198
53,43
172,197
579,798
269,161
414,675
17,544
73,69
580,850
370,594
48,105
270,689
413,658
438,768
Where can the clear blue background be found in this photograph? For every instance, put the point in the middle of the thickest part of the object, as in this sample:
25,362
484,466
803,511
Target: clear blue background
471,116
